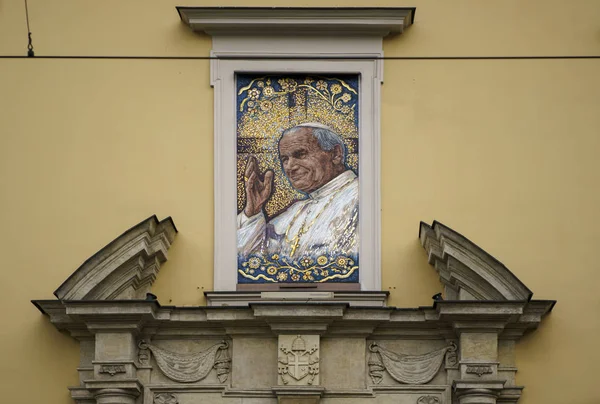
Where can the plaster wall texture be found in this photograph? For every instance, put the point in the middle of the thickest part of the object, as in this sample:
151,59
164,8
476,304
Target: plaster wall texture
504,151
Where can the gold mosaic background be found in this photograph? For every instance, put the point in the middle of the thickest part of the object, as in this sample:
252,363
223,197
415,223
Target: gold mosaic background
268,105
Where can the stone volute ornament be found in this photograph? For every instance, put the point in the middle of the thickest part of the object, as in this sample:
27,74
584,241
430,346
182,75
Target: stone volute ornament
311,349
428,400
165,398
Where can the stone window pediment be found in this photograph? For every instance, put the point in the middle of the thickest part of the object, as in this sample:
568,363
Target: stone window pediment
132,347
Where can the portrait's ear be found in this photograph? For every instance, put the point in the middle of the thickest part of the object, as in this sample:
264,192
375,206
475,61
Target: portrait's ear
337,154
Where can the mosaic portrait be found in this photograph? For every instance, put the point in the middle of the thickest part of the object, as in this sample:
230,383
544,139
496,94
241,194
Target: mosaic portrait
297,179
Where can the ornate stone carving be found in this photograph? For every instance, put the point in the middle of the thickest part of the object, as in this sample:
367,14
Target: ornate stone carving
112,369
165,398
376,367
467,271
409,369
222,364
189,368
452,355
143,353
479,370
428,400
125,268
107,330
299,362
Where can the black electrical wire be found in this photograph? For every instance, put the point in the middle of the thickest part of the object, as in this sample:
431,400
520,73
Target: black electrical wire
30,52
303,57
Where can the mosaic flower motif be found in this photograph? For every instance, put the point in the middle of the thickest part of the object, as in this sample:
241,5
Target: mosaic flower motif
288,85
254,263
306,262
260,84
254,93
251,104
308,80
275,256
282,276
322,260
268,91
346,109
338,104
295,277
342,261
324,272
271,270
336,88
345,97
321,85
266,105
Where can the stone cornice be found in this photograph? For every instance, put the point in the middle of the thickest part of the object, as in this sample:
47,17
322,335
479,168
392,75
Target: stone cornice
126,267
339,21
467,271
443,320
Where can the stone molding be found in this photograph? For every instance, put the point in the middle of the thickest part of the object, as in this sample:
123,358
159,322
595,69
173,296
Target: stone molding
466,270
444,320
125,268
457,351
353,298
339,21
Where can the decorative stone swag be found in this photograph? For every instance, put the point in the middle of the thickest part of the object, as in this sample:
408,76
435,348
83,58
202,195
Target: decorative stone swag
290,347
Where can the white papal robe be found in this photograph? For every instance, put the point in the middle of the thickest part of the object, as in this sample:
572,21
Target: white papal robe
325,223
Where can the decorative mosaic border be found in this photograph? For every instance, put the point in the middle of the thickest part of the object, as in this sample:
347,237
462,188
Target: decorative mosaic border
276,269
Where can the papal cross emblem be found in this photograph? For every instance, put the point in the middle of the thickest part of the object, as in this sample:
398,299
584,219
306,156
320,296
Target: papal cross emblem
298,362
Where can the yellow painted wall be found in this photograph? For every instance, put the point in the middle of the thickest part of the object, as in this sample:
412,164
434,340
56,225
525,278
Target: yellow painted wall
503,151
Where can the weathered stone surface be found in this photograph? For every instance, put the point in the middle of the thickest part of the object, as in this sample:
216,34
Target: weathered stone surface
342,368
251,354
125,268
298,360
293,351
467,271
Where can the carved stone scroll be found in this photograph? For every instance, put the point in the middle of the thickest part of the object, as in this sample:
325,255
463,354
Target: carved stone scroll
409,369
222,364
189,368
143,353
165,398
428,400
452,356
376,367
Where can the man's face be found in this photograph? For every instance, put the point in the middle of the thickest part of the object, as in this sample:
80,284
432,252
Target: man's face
306,165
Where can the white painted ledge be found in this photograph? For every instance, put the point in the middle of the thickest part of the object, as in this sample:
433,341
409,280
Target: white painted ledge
381,21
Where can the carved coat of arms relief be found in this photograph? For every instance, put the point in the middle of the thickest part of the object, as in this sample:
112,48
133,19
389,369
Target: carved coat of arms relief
298,361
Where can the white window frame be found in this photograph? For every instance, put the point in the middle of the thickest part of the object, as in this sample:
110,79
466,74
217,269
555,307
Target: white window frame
296,41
